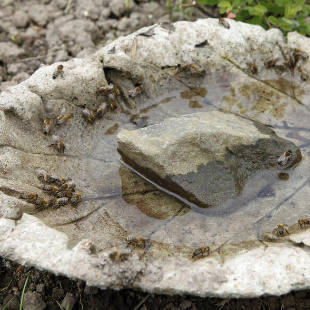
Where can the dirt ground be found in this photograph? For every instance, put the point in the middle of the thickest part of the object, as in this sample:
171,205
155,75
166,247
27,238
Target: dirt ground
37,32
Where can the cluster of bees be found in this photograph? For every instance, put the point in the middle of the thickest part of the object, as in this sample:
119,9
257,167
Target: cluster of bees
61,189
49,124
291,61
111,93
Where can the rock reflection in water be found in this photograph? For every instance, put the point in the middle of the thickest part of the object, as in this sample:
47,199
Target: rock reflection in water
148,198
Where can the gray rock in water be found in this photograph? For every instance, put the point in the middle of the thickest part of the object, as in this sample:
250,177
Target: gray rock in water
205,158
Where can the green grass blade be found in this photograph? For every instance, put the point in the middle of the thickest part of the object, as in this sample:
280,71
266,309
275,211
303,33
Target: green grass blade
23,293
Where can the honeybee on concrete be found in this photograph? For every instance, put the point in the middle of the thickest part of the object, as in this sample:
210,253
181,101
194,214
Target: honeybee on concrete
76,198
52,202
270,63
281,230
192,69
224,22
62,201
65,193
41,174
118,256
284,159
303,223
51,189
68,186
253,68
29,197
107,89
89,116
58,72
138,242
59,144
41,202
47,126
63,117
281,65
53,179
135,92
304,76
102,109
299,54
201,252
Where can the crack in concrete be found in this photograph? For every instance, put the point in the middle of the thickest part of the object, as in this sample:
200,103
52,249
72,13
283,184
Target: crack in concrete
57,155
78,219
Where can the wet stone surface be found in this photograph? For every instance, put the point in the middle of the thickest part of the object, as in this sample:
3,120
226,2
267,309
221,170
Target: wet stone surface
206,158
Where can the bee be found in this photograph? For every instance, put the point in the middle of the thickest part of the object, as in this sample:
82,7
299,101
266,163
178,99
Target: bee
52,179
168,26
117,255
41,174
135,92
76,198
202,44
253,68
59,144
63,118
102,109
148,33
51,189
52,202
29,197
65,193
283,176
58,72
112,50
138,242
291,61
281,230
47,126
303,223
281,65
304,76
284,159
192,68
113,104
62,201
107,89
41,202
89,116
270,63
201,252
68,186
299,54
117,92
224,22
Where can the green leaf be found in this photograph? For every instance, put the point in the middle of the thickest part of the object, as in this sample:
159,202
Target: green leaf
208,2
224,6
280,3
237,3
273,20
258,10
286,27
